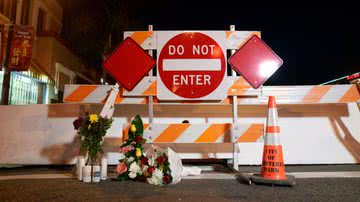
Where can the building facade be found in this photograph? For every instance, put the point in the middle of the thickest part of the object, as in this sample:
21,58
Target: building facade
53,63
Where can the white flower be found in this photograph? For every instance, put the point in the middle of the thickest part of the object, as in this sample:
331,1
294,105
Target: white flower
131,159
135,168
158,174
122,156
144,169
132,175
156,177
153,180
151,161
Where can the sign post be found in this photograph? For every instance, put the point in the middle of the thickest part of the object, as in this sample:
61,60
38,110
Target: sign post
151,99
235,127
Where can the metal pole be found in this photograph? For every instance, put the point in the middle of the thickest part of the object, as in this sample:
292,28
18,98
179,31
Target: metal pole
151,101
334,80
236,150
233,74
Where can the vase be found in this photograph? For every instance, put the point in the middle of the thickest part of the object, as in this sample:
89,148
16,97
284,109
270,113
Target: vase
86,174
79,166
96,174
104,168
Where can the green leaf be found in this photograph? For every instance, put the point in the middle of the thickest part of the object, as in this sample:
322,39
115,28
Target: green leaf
139,127
138,124
122,177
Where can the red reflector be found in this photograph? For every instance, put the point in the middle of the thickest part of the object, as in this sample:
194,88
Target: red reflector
354,76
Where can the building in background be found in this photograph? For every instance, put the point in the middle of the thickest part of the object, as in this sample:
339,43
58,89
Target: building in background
53,63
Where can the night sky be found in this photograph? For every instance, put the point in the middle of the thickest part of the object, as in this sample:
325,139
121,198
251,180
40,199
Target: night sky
317,42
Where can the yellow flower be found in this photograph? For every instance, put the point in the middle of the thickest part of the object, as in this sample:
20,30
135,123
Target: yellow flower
93,118
89,127
138,152
133,128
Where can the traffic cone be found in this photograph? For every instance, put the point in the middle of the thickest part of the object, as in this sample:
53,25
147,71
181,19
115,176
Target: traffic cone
272,168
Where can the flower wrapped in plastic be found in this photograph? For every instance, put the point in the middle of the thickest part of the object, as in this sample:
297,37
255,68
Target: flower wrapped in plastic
152,164
161,158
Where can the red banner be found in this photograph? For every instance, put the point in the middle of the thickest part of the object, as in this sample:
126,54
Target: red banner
20,48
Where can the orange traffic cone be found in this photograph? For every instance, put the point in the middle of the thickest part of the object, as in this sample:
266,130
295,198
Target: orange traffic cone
273,168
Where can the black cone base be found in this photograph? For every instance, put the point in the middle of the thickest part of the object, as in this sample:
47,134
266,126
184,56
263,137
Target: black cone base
257,179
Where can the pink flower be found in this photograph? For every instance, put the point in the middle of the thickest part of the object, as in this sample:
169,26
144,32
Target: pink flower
121,168
126,149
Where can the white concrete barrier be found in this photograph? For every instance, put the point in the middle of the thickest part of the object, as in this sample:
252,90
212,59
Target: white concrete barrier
310,134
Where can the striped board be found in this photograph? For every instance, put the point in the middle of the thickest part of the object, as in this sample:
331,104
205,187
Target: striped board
201,133
96,94
234,39
234,86
312,94
246,94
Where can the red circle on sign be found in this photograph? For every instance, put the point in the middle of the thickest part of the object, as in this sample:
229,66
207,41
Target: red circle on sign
191,65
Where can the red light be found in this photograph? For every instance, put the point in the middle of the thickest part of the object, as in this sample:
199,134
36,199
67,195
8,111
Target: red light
354,76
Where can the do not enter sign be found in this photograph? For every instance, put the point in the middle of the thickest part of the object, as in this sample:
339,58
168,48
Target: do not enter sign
191,65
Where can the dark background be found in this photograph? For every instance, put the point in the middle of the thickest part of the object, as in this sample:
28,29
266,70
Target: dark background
318,42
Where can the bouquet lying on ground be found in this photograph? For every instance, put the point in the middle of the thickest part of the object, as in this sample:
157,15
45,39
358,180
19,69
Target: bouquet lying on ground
151,165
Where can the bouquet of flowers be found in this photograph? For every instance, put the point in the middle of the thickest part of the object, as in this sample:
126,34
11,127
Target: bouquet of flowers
152,167
92,128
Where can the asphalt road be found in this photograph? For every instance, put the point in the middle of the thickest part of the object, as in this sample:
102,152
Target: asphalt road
217,189
339,189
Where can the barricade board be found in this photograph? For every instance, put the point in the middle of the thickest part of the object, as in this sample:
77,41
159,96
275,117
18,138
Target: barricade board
246,95
148,39
201,133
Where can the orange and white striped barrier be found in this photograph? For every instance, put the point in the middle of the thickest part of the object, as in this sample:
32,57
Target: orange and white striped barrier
95,94
146,39
247,95
200,133
146,87
235,86
312,94
234,39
